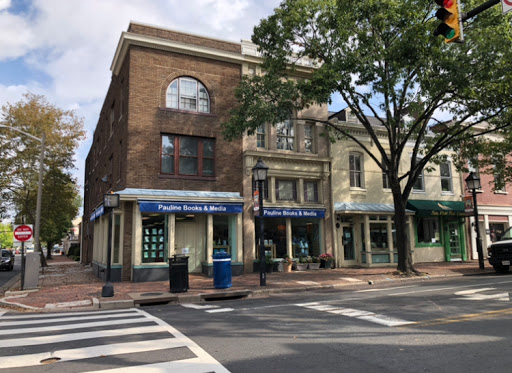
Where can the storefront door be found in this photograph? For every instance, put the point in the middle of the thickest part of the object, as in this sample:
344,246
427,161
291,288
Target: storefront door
454,241
347,244
190,240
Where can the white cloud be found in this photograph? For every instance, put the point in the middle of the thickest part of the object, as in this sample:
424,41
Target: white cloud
16,36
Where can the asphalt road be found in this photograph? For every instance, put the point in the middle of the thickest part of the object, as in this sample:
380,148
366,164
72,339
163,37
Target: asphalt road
6,276
455,325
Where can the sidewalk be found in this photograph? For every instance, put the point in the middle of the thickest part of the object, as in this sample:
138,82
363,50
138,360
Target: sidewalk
66,285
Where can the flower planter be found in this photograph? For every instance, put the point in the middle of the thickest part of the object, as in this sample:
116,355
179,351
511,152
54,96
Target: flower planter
301,266
327,264
287,267
314,265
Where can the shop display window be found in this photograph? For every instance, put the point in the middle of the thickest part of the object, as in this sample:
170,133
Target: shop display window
275,237
305,237
428,230
154,238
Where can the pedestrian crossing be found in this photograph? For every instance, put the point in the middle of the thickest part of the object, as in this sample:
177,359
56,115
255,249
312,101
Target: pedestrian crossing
99,341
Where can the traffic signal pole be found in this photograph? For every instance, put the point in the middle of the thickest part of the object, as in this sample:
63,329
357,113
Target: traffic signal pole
479,9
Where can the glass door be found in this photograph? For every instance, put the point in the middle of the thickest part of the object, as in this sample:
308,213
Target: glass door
347,244
454,241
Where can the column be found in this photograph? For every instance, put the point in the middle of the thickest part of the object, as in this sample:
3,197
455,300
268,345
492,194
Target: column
367,240
289,242
209,238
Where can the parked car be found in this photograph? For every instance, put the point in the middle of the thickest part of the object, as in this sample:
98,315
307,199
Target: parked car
7,260
500,252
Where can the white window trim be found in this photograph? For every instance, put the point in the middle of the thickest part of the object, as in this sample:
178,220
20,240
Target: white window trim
361,171
450,192
199,85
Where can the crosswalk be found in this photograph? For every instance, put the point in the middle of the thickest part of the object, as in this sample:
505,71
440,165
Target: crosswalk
99,341
316,306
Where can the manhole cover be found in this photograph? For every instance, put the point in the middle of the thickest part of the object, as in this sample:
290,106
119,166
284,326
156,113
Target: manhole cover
50,360
151,294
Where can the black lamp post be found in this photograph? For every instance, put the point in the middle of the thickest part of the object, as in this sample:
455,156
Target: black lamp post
259,172
473,183
110,202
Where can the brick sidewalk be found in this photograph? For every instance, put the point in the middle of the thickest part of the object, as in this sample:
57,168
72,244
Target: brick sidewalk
65,284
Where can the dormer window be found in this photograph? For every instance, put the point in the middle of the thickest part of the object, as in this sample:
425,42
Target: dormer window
188,94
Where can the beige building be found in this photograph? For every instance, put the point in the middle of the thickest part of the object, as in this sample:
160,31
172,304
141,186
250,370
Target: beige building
363,205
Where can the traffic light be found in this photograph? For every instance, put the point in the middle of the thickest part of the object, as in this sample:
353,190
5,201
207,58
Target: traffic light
451,26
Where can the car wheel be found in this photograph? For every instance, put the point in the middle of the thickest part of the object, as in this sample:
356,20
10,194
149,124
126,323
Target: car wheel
500,268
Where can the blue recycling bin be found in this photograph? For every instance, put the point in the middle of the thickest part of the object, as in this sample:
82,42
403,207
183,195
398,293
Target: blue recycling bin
222,270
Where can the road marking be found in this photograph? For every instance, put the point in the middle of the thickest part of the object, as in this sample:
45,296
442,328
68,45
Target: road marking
358,314
169,338
472,295
219,310
461,318
64,319
307,282
198,306
446,288
384,289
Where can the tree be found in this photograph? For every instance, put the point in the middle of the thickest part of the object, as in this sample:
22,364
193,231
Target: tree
381,57
19,157
6,235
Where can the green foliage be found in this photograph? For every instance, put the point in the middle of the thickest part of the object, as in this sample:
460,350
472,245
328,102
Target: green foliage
19,163
74,251
382,59
6,235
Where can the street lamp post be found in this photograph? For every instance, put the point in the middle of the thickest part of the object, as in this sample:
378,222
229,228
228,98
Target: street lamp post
110,202
37,227
259,172
473,183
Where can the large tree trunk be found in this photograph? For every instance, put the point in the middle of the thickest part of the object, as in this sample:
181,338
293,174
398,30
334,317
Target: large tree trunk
405,264
49,248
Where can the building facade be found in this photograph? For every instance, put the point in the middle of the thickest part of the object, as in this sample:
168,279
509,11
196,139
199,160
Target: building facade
183,188
363,205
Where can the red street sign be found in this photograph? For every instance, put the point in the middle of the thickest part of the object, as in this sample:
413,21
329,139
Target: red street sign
23,233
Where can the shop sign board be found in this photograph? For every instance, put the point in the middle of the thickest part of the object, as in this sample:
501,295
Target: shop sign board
190,207
293,213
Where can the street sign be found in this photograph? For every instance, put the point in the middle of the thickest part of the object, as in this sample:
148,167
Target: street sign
256,198
506,5
23,233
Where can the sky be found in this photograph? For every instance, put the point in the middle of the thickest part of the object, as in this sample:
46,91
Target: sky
63,49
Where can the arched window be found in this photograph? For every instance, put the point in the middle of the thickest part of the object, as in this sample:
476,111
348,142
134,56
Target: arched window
188,94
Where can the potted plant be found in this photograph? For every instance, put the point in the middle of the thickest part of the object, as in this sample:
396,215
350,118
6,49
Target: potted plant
287,263
315,263
326,260
303,263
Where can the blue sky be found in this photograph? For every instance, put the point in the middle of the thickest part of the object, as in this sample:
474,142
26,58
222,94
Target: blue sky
63,49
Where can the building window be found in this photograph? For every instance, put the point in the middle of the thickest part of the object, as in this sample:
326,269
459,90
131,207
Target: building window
308,138
356,170
261,135
446,177
310,191
419,185
188,94
183,155
112,116
285,135
385,177
428,230
286,190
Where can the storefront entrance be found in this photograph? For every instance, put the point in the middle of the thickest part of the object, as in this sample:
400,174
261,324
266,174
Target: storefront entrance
453,241
190,239
347,247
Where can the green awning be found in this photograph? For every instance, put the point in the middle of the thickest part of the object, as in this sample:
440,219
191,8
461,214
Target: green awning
437,208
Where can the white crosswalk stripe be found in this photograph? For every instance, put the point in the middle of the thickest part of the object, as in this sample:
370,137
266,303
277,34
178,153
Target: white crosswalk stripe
358,314
94,337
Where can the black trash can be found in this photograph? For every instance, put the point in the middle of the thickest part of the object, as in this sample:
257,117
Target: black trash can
178,273
222,270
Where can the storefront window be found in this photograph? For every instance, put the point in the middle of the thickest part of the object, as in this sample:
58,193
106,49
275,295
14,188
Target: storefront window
379,235
154,238
275,236
428,230
224,228
305,237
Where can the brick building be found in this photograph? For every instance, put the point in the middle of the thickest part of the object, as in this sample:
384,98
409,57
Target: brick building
183,188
